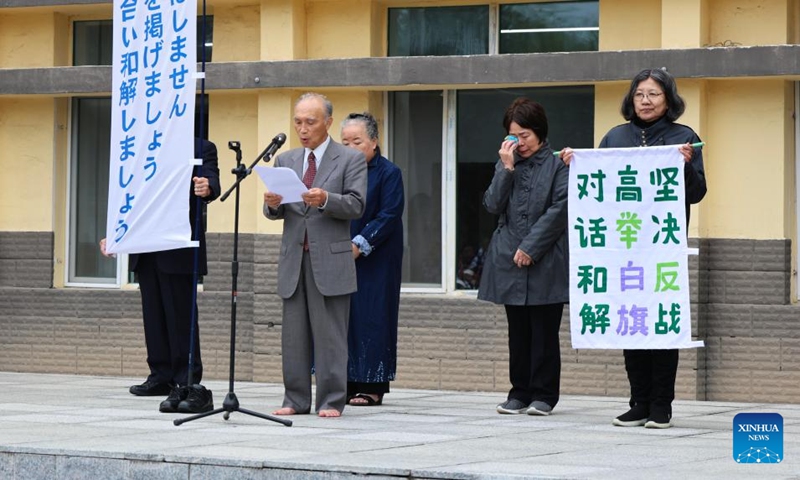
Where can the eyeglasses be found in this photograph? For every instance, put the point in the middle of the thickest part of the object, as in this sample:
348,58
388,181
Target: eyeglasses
653,96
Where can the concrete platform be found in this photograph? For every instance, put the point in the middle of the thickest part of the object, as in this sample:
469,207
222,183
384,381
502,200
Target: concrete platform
76,427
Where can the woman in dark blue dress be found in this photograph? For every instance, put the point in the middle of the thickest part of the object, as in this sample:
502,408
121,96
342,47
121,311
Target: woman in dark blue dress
378,250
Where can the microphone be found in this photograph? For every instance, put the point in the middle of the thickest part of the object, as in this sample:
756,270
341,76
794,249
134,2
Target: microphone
241,173
273,147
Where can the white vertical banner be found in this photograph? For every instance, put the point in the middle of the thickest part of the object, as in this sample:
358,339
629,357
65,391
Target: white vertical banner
629,280
152,125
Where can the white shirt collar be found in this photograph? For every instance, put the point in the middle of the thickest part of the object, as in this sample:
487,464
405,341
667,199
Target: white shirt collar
319,152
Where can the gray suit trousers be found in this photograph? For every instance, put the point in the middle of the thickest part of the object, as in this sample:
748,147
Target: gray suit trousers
309,315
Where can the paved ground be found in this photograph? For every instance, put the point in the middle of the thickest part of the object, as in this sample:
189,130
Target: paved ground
62,426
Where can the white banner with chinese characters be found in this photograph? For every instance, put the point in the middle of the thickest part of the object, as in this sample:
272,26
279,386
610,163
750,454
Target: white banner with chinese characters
629,280
152,125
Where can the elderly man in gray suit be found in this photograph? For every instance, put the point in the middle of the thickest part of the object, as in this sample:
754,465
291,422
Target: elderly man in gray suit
316,270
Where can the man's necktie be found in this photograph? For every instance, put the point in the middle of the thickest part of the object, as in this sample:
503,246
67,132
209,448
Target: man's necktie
311,171
308,180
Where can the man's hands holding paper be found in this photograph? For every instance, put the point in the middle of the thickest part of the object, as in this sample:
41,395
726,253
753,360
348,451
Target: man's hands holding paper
273,200
316,197
283,183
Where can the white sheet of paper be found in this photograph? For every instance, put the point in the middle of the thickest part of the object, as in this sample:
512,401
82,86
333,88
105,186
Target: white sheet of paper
283,181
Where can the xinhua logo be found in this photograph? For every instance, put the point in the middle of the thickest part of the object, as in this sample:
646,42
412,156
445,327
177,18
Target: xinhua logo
758,438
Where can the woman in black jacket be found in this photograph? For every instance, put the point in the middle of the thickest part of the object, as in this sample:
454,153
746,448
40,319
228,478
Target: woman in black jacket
651,107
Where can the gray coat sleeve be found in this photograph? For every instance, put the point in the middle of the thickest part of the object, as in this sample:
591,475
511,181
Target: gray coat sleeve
495,200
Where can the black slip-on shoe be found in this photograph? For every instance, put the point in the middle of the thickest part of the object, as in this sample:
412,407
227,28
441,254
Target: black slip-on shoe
658,420
151,388
635,417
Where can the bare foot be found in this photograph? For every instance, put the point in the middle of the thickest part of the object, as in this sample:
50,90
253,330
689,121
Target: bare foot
284,411
329,413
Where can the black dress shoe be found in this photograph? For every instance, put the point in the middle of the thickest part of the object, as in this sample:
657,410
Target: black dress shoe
151,388
198,400
175,397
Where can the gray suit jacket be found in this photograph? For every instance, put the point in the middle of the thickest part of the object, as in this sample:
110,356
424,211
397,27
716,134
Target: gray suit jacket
343,174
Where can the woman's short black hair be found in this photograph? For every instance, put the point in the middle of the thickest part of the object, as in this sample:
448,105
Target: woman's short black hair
527,114
675,104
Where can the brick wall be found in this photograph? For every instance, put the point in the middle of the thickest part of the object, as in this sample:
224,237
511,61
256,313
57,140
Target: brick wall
740,301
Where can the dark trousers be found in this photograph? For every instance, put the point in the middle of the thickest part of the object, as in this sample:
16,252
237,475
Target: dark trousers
534,352
167,312
651,374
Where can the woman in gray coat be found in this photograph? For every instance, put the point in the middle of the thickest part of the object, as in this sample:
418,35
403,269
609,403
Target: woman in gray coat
527,261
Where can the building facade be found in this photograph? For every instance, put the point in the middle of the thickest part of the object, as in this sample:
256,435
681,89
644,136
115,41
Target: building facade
438,75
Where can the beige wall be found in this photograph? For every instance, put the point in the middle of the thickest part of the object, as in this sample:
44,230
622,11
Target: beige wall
236,33
694,94
607,101
60,169
62,46
745,160
26,160
684,23
749,22
27,39
339,29
233,116
283,29
645,24
630,24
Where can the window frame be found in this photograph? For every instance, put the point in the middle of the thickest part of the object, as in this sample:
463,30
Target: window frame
496,32
447,184
122,280
797,185
121,276
448,229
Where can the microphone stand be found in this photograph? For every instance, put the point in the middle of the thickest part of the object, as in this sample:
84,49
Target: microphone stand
231,403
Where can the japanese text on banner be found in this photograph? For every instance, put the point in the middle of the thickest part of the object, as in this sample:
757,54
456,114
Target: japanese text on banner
152,125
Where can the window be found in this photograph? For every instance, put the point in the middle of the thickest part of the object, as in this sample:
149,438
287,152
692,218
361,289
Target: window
549,27
92,41
447,166
416,133
91,44
438,31
568,26
479,131
90,148
89,191
446,141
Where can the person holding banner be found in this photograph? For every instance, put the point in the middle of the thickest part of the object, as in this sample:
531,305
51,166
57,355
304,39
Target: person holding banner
527,265
166,282
316,269
652,106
